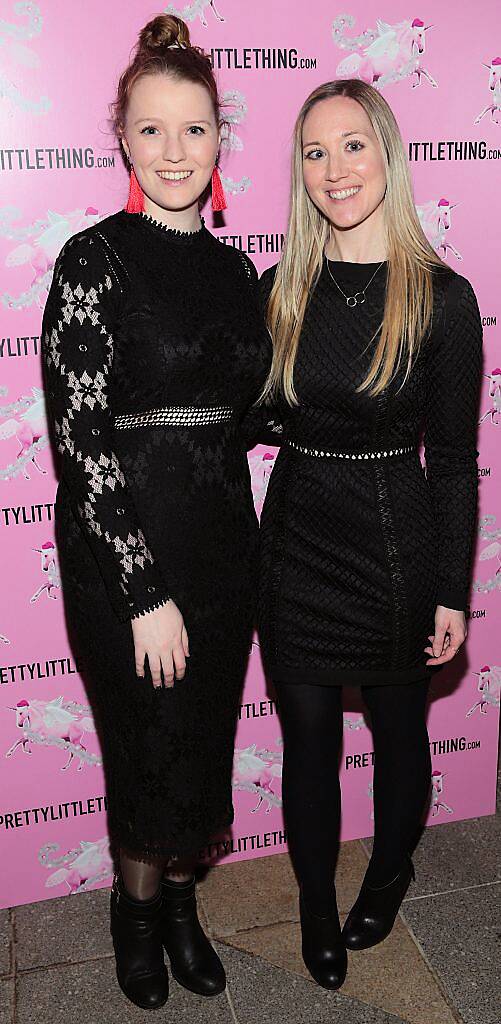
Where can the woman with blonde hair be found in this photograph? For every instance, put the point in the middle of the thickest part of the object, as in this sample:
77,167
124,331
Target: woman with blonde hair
365,555
154,347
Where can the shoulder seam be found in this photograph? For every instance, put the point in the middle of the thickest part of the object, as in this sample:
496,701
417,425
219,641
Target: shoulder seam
246,262
107,251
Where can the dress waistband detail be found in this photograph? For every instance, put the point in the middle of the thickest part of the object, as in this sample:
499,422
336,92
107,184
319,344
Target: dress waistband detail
324,453
176,416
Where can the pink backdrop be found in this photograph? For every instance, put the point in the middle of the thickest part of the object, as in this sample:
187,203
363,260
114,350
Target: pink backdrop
60,170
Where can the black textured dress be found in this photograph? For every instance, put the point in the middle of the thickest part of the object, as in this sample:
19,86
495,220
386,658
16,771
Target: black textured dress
359,546
153,348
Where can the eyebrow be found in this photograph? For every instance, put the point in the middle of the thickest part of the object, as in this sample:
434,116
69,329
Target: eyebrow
343,136
194,120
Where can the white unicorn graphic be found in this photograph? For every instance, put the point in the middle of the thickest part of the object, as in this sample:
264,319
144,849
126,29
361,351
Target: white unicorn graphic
437,788
435,219
488,531
353,724
261,468
235,188
493,414
80,868
254,771
235,107
27,422
194,10
494,108
55,723
50,569
12,34
40,245
489,687
384,55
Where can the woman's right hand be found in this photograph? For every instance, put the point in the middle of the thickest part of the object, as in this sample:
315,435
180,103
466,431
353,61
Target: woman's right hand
161,636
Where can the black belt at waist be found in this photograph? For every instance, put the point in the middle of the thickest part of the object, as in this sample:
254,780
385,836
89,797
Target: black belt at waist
175,416
325,453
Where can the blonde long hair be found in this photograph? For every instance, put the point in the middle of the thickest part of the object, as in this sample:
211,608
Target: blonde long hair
411,258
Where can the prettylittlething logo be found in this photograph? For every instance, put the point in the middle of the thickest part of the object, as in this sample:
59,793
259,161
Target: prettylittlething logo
451,149
260,58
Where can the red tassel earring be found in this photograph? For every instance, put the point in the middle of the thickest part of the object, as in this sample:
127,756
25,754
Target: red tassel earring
135,202
218,196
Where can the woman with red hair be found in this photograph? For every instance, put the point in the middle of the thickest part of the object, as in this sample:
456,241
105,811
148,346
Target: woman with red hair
154,347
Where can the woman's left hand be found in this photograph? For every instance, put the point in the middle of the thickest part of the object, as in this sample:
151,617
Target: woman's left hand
450,633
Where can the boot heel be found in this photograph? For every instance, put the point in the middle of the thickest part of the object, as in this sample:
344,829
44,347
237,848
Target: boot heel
372,917
194,963
324,953
135,927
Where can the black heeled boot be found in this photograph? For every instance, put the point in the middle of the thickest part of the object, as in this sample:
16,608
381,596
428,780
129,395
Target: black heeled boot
136,930
324,952
194,963
372,917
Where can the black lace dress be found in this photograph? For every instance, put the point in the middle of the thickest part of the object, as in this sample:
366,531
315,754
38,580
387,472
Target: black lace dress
359,546
153,348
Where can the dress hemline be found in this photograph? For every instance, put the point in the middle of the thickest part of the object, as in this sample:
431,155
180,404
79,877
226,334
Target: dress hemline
335,676
147,850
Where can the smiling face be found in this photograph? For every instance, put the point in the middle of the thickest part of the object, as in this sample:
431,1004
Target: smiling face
343,167
171,138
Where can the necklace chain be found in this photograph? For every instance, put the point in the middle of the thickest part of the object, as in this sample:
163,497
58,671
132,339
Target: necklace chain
354,300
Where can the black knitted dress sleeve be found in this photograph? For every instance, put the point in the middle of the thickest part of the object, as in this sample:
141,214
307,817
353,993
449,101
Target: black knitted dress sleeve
451,416
78,341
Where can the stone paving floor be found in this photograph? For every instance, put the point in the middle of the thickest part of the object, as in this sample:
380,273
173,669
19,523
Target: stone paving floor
439,966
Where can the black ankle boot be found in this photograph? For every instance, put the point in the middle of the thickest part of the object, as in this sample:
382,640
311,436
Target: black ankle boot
373,915
194,963
136,929
324,952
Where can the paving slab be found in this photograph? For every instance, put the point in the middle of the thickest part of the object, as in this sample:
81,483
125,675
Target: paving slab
89,992
5,943
263,993
456,855
7,1001
256,893
392,976
64,930
459,934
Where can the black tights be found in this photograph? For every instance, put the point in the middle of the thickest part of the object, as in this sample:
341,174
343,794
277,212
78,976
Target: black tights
142,878
312,722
